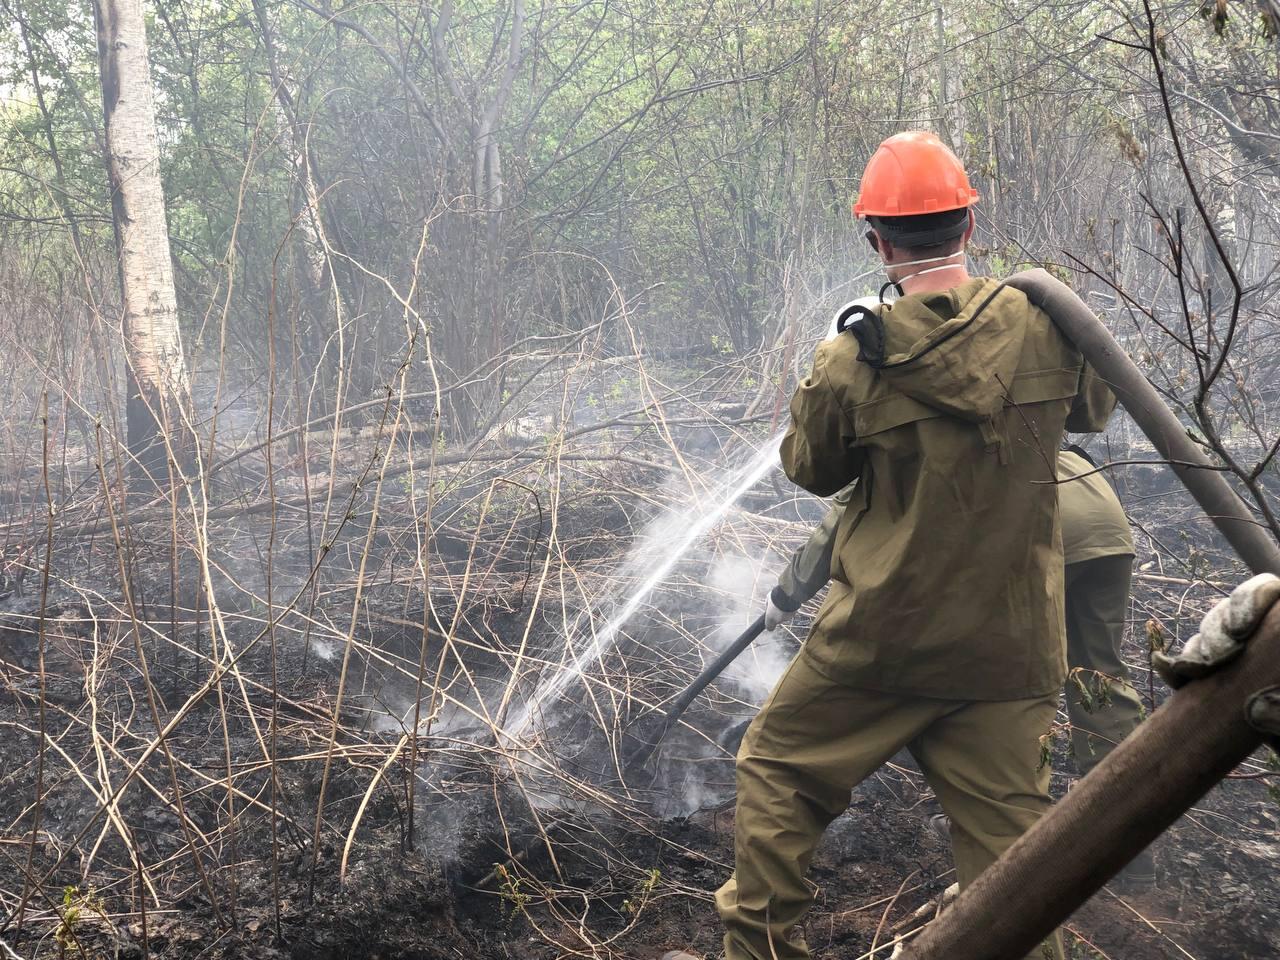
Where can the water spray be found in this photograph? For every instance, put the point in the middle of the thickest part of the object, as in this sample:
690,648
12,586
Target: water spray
662,556
694,522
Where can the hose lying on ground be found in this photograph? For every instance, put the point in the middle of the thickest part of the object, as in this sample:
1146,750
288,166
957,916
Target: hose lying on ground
1197,737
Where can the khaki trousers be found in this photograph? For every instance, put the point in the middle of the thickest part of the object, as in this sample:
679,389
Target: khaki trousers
1097,606
815,740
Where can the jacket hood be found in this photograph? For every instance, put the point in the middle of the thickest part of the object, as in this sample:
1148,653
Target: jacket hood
956,351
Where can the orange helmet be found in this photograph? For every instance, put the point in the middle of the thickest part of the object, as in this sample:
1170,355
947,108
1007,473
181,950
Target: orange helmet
913,173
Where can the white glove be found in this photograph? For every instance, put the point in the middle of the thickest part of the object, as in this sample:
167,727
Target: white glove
1223,632
775,616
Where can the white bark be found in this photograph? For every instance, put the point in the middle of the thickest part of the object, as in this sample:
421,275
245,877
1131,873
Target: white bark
153,344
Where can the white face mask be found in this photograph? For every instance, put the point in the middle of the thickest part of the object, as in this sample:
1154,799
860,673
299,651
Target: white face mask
897,284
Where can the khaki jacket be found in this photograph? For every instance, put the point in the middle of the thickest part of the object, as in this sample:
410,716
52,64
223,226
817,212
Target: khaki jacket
1093,524
948,409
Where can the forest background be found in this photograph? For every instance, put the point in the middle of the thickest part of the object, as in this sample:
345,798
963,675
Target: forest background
465,296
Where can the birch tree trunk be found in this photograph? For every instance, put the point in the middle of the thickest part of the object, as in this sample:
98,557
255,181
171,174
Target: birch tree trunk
157,376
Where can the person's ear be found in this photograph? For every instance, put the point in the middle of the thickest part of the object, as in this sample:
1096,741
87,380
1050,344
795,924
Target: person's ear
884,248
968,231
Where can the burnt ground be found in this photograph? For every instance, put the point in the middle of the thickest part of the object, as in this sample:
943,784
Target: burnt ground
599,874
638,886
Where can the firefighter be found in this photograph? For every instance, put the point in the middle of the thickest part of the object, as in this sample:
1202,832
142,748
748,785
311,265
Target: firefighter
943,628
1097,548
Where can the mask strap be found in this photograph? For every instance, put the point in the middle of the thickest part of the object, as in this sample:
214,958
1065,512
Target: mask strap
924,260
920,273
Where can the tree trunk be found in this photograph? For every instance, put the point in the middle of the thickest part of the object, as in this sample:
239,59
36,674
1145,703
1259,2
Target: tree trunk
157,376
313,271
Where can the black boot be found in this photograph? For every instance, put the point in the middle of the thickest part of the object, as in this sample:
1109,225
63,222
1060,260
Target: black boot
1138,876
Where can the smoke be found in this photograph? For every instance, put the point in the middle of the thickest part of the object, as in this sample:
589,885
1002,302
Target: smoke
741,584
664,546
734,592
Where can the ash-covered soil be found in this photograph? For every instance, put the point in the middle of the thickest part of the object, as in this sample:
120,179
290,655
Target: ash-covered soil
232,871
621,883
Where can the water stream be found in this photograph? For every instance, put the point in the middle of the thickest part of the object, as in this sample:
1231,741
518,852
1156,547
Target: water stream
653,559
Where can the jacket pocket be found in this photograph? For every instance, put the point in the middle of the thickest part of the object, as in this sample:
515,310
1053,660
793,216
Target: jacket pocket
1041,386
887,412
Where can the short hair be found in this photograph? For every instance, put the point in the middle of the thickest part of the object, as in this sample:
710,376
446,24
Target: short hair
925,231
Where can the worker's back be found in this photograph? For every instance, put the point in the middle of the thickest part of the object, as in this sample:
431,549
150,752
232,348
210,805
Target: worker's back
1093,521
947,575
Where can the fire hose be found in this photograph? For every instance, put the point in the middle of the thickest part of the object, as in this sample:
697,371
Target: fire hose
1190,743
642,748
